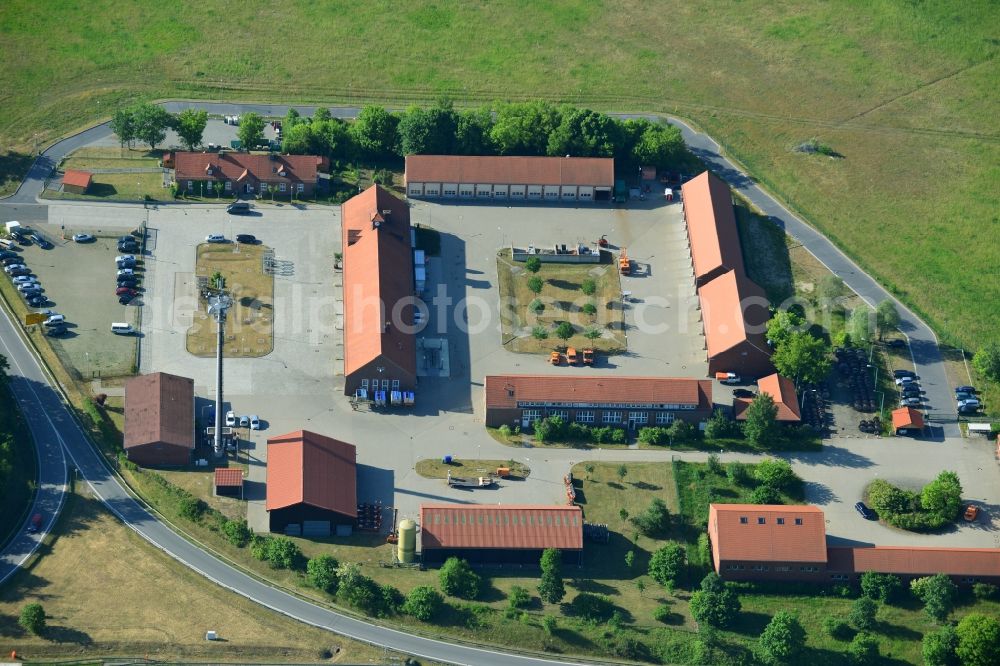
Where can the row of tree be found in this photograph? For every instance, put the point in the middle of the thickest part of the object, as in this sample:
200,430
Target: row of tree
148,123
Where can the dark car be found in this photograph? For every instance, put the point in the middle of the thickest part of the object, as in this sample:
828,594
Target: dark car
911,392
965,389
128,247
126,291
7,254
8,261
128,281
37,301
42,243
126,299
238,208
249,239
21,269
903,373
55,331
865,512
742,393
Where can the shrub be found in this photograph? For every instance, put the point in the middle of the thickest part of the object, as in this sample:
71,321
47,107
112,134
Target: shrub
565,330
392,599
938,648
423,602
653,435
715,604
505,431
283,553
738,473
881,586
863,613
32,618
775,473
258,546
625,645
549,624
764,495
519,597
237,532
539,333
655,520
938,594
837,628
536,305
589,287
714,466
667,564
682,432
457,579
593,607
721,426
191,508
863,650
782,641
589,308
662,613
704,549
359,590
321,572
535,284
533,264
984,591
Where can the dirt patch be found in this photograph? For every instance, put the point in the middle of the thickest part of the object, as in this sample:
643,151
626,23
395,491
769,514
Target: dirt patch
249,327
595,319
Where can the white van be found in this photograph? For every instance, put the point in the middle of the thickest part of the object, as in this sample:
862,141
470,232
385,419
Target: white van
121,328
55,320
6,244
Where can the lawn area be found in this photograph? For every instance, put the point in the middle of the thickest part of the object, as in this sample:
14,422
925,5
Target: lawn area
249,325
561,299
83,622
901,90
102,157
118,187
433,468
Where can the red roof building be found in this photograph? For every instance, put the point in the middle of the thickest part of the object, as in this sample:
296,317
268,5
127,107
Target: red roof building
596,400
76,181
907,421
488,533
245,174
711,227
379,342
510,177
967,565
310,478
229,481
782,391
159,419
734,311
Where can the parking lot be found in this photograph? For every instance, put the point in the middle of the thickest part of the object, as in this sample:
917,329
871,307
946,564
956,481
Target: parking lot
79,281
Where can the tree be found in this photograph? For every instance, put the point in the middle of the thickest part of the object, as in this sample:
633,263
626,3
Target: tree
776,473
738,473
782,324
763,494
539,333
721,426
829,289
321,572
886,317
428,131
661,146
321,114
550,587
376,132
592,333
668,564
938,595
190,126
472,133
423,602
654,522
565,330
862,324
357,589
881,586
629,559
588,287
523,128
519,597
761,424
237,532
533,264
863,613
251,130
123,125
863,650
535,284
714,466
986,361
622,472
803,357
943,496
301,139
32,618
978,640
583,133
782,641
457,579
549,624
938,648
151,122
714,604
292,118
283,553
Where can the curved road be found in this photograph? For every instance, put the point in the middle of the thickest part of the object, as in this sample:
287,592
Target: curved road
52,424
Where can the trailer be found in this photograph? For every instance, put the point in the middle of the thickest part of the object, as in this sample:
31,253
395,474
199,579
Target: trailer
471,482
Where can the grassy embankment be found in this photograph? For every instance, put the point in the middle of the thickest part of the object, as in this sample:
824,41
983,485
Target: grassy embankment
901,91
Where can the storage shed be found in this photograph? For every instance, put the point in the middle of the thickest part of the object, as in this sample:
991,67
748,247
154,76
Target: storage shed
159,419
76,181
907,421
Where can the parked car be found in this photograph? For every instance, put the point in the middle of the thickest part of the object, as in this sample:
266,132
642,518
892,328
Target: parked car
125,271
903,373
128,247
238,208
254,422
905,380
126,299
248,239
56,331
55,319
84,238
865,512
965,389
897,343
244,421
128,281
18,270
126,291
969,409
743,393
30,284
968,403
125,260
910,402
10,261
230,418
42,243
962,395
21,279
31,291
7,254
215,238
37,301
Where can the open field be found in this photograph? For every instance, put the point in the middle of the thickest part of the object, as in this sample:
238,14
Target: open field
249,327
902,91
561,300
83,622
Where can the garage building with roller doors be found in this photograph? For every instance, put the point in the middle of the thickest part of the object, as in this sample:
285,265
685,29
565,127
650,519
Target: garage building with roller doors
482,178
311,484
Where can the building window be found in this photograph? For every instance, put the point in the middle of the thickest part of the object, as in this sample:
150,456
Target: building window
281,187
561,413
735,567
364,383
638,418
798,521
385,384
531,415
743,520
611,417
664,418
760,520
809,569
190,185
760,567
839,577
263,187
781,521
585,417
229,186
395,383
782,569
300,187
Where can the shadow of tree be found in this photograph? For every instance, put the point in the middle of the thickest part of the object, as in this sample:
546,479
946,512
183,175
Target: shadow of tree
14,167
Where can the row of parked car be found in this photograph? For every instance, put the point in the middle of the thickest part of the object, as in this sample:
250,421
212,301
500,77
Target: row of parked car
251,421
31,290
127,282
966,397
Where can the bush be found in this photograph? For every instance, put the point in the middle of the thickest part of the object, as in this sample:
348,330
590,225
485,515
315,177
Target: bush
536,306
392,599
321,572
764,495
775,473
359,590
984,591
837,628
589,308
283,553
588,287
881,586
519,597
863,613
533,264
539,333
655,520
667,564
721,426
625,645
535,284
863,650
935,506
549,624
938,648
938,594
237,532
457,579
565,330
191,508
593,607
715,604
653,435
258,546
738,473
704,550
423,602
32,618
682,432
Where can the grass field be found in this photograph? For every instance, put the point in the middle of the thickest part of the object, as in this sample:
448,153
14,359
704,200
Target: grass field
118,187
84,621
249,326
901,90
562,300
